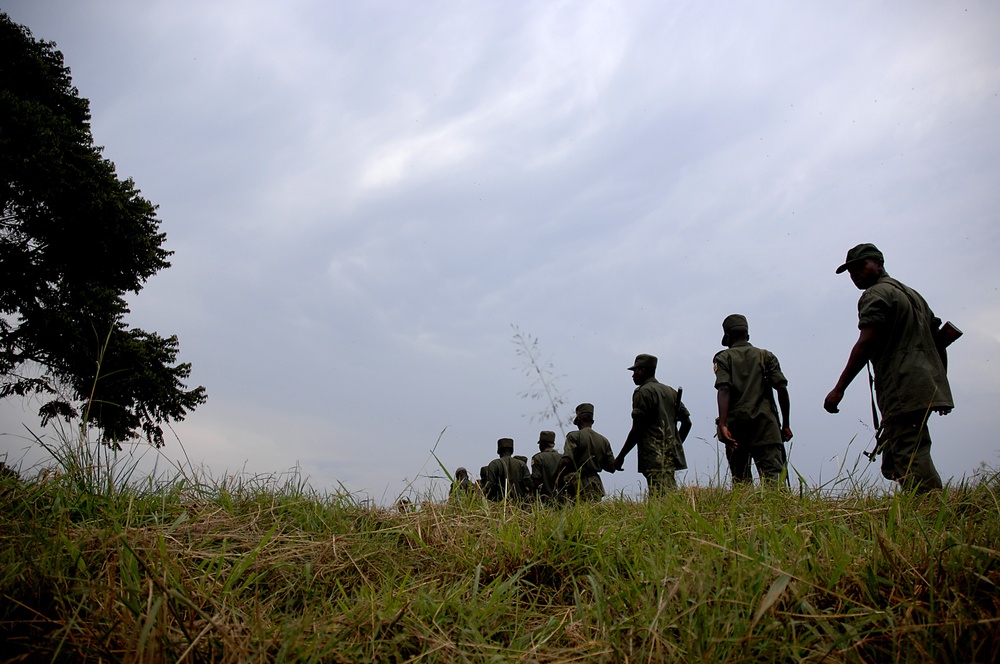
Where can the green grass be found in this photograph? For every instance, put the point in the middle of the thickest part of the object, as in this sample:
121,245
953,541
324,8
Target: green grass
98,565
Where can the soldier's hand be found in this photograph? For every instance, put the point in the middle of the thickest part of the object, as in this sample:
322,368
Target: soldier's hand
727,437
619,462
786,434
833,400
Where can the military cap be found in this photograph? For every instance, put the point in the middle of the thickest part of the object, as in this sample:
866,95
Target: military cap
505,444
732,321
461,472
583,409
859,253
548,437
643,360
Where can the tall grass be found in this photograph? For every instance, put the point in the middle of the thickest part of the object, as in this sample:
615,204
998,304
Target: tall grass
97,564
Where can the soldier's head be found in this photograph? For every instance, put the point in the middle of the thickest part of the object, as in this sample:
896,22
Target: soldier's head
461,474
735,329
865,264
521,458
643,368
482,473
584,415
505,446
546,440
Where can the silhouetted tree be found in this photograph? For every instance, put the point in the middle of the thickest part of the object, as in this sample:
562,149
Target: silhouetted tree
74,239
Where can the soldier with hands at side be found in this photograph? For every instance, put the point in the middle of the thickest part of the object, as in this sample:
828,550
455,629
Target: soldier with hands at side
507,477
585,454
748,420
545,465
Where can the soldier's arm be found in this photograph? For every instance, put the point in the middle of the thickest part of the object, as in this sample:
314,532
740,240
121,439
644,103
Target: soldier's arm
638,408
684,417
630,442
785,406
723,401
861,353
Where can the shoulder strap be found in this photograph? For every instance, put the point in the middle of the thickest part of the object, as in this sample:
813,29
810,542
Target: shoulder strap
875,419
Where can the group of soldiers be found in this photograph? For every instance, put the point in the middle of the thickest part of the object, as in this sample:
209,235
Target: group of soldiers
553,476
900,336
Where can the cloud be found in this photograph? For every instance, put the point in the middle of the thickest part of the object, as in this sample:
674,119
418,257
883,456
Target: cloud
364,198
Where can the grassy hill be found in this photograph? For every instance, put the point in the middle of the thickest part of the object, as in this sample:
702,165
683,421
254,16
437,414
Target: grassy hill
97,567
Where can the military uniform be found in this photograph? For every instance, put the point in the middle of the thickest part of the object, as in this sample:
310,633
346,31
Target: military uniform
545,466
462,486
751,374
655,411
910,379
588,453
507,476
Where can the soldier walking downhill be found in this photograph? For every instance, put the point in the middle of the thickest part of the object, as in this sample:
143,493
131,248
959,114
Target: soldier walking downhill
905,342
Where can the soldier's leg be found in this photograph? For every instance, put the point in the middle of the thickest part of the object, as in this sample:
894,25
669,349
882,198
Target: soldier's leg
771,462
739,463
908,446
592,489
660,480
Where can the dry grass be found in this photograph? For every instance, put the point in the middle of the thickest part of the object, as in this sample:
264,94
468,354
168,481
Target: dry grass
250,570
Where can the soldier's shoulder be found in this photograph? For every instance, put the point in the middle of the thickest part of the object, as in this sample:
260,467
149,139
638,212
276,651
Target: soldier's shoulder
886,288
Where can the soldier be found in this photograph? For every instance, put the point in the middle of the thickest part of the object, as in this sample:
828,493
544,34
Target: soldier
462,486
748,418
905,343
585,454
656,410
545,465
507,476
482,483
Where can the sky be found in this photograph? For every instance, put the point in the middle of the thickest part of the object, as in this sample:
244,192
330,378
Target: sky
367,201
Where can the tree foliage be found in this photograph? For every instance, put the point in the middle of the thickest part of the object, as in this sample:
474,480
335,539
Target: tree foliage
74,240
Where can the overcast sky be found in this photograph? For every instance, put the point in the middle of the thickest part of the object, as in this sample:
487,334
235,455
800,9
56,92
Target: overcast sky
364,197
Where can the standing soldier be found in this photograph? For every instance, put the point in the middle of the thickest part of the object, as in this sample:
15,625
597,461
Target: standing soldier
507,477
462,487
545,465
656,410
905,343
482,484
585,454
748,418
